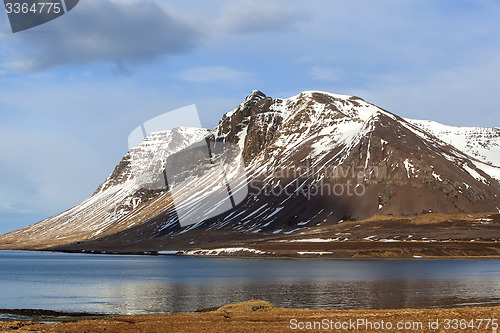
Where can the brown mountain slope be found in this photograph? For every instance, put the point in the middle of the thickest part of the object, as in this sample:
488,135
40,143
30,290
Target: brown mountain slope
313,159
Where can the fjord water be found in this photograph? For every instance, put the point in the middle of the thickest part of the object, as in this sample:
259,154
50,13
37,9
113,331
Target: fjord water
126,284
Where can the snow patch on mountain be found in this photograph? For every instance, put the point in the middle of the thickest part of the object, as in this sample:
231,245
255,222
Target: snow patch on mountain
314,129
223,251
482,143
118,200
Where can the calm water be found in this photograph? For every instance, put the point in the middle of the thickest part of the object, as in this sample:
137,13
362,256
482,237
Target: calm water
150,284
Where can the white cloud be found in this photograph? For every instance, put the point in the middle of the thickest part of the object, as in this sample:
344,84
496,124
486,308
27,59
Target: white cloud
213,74
124,33
131,32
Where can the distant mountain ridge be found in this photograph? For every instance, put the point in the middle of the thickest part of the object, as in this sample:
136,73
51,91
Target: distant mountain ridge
482,143
402,166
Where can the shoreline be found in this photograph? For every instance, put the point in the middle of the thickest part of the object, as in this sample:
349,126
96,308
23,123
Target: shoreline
258,316
43,315
428,235
243,255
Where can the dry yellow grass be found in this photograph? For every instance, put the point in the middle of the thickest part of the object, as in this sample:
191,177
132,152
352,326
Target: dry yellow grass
260,316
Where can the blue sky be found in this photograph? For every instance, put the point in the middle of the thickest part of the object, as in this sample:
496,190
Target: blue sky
71,90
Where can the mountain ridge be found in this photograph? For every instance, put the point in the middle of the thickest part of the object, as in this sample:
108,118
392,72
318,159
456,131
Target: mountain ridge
403,169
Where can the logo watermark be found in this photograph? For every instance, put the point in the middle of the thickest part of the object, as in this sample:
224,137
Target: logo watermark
204,175
366,324
28,14
311,181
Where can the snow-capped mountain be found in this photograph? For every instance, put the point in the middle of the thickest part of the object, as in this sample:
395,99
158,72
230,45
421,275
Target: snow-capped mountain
482,143
313,159
119,202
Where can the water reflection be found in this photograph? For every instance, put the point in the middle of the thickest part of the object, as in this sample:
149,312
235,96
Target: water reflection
135,284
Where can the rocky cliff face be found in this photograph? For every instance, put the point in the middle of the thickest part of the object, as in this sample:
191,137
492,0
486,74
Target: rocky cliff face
312,159
340,143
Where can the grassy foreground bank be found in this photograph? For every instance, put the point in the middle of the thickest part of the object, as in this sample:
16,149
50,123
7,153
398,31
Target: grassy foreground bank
260,316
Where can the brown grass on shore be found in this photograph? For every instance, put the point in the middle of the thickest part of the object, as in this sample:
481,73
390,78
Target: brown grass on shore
260,316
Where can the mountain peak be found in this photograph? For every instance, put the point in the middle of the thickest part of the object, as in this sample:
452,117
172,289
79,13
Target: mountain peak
325,93
313,159
255,95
